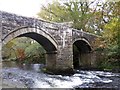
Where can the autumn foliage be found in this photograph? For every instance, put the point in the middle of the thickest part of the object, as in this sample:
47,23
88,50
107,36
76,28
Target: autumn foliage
20,53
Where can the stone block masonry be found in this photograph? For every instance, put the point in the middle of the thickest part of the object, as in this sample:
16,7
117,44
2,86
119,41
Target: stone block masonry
56,38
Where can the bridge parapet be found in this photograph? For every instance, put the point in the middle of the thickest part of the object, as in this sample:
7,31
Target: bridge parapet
11,22
79,34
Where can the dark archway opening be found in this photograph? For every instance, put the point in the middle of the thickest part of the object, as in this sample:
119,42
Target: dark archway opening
30,40
47,44
80,50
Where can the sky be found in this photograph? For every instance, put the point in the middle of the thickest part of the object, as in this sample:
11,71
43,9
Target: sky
28,8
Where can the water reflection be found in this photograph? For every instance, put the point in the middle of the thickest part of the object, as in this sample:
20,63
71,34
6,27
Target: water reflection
13,64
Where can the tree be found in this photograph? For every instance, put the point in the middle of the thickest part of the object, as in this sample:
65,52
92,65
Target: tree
82,14
8,50
54,12
111,37
112,31
24,50
35,53
20,54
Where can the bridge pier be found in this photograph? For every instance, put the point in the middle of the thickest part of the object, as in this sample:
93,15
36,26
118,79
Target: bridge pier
86,60
60,62
51,58
64,63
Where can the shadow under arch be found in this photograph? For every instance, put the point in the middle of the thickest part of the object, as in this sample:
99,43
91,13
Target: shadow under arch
39,35
81,50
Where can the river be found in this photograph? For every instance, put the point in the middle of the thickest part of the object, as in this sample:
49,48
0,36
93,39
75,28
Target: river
31,76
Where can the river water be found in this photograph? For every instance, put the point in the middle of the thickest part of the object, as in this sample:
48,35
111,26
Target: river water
31,76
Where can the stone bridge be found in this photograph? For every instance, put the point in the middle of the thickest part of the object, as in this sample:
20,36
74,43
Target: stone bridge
56,38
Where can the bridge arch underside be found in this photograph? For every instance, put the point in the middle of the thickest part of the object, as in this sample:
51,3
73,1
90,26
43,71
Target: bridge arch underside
44,39
47,44
81,54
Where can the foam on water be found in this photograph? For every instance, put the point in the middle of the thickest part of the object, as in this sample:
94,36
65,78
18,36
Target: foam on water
36,79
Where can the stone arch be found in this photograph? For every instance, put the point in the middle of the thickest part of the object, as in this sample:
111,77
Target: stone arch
81,51
84,40
41,36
